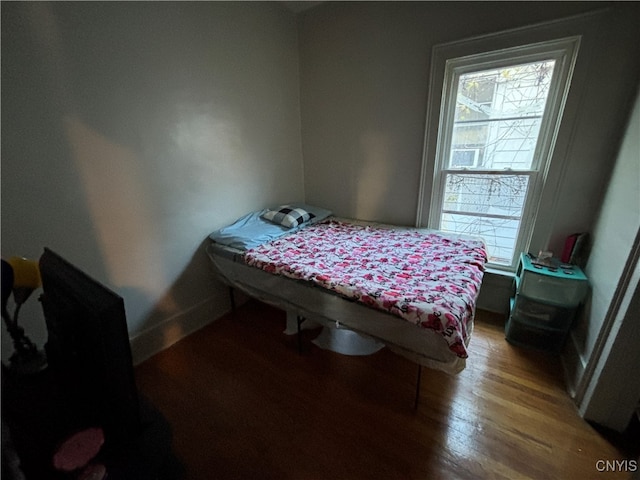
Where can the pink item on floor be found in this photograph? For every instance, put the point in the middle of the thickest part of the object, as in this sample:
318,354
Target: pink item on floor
78,450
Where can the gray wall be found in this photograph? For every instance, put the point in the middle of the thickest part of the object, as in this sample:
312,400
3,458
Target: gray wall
614,234
364,81
131,130
610,269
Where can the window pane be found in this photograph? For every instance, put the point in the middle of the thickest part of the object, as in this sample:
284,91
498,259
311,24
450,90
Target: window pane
487,205
498,114
499,234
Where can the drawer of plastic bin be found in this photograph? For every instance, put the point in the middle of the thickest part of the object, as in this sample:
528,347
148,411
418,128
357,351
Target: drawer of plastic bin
559,291
523,335
541,314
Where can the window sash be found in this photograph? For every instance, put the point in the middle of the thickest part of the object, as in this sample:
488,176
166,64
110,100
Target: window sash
489,219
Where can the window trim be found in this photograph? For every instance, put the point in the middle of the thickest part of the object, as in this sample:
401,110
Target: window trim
474,54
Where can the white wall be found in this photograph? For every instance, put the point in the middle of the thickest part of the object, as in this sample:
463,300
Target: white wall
131,130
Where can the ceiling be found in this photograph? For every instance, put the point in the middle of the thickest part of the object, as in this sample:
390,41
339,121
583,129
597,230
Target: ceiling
300,6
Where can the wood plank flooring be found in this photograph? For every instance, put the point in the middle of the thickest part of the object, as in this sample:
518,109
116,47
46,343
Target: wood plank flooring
243,403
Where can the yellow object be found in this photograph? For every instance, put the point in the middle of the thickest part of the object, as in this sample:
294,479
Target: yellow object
26,273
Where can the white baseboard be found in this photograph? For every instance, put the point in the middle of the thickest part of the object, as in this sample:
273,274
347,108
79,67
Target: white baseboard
175,328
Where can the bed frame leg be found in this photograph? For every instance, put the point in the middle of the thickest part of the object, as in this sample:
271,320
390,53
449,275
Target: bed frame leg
233,299
418,383
299,319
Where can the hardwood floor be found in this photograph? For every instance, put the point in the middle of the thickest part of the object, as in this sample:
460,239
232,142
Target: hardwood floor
244,404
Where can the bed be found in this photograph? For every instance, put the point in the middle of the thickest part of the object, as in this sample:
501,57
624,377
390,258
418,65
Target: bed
412,289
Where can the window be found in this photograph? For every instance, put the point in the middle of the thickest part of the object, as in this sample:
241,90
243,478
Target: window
498,118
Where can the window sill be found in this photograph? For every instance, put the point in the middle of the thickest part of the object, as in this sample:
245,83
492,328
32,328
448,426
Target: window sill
502,273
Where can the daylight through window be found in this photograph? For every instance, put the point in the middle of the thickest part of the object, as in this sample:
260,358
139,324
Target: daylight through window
496,133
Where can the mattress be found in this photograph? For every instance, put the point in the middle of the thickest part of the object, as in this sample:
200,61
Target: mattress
431,326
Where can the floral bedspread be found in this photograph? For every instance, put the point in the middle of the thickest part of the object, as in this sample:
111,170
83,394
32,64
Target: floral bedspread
428,278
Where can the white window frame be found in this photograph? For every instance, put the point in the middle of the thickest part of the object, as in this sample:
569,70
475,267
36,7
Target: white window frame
448,63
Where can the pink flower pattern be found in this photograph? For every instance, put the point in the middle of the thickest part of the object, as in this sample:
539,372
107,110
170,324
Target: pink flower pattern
428,278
